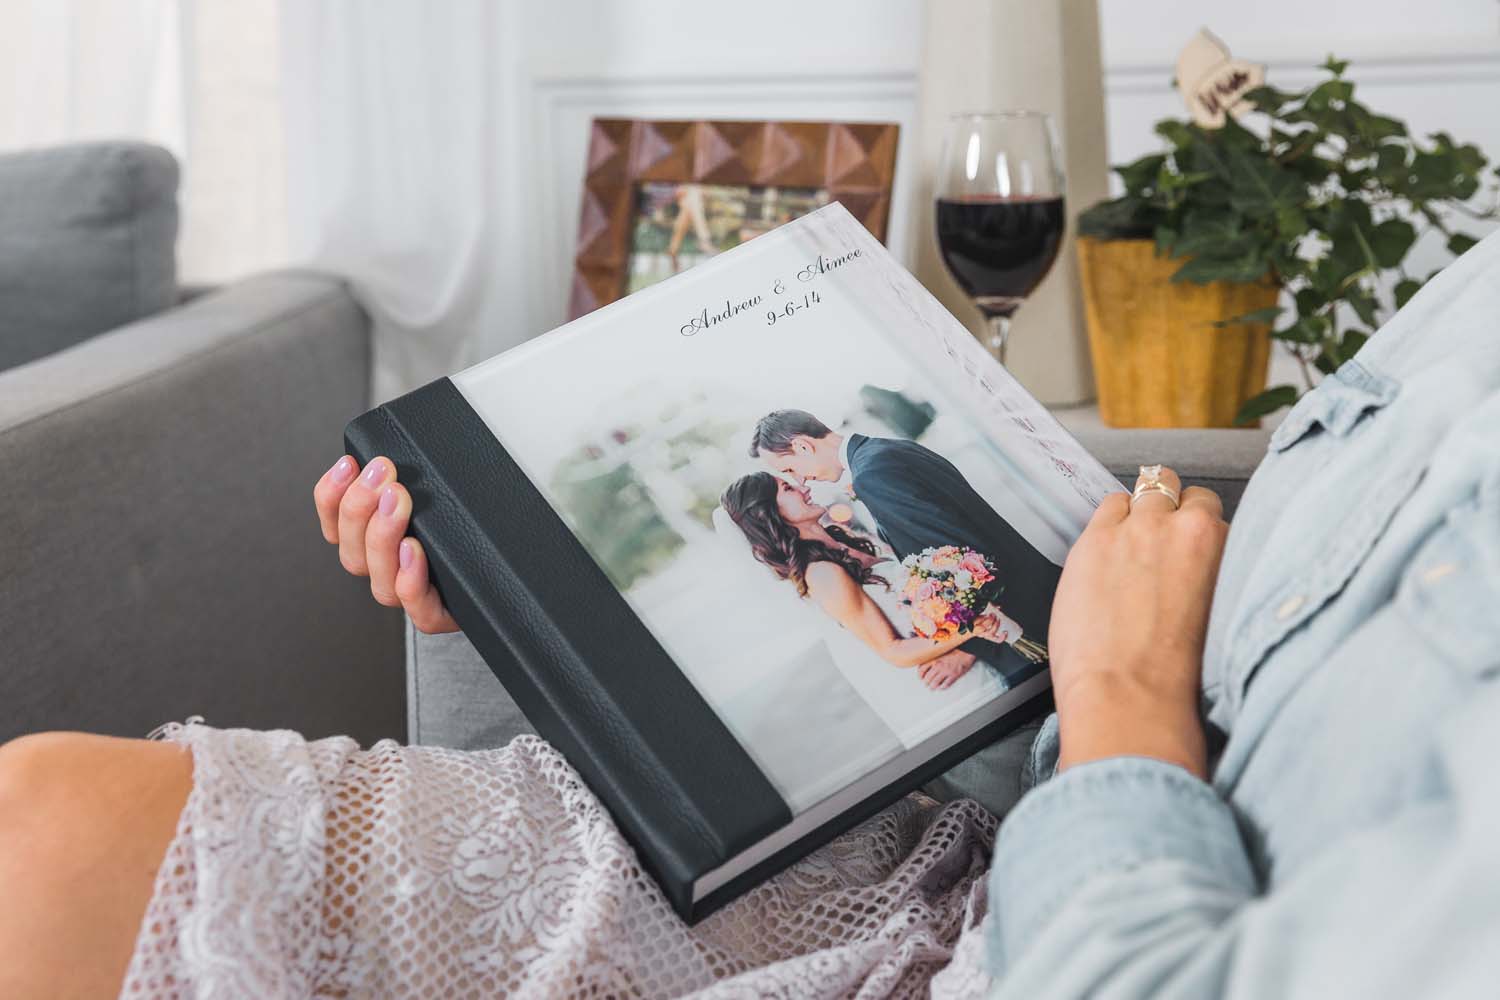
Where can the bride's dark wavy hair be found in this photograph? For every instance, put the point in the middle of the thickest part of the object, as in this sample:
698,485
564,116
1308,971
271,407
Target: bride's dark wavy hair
751,502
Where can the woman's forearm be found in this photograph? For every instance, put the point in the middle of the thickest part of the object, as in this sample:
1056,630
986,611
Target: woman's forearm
1128,625
1122,715
916,650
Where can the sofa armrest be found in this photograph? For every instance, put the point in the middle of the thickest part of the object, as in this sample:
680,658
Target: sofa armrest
161,554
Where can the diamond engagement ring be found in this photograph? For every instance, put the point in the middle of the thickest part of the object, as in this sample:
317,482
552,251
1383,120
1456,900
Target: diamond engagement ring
1151,483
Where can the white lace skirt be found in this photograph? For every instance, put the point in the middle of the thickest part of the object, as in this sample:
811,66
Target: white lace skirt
319,869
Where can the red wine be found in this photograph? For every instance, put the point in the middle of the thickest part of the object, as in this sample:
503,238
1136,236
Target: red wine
999,249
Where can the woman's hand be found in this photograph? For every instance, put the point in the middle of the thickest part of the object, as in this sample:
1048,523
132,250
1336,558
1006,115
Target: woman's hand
1128,626
366,516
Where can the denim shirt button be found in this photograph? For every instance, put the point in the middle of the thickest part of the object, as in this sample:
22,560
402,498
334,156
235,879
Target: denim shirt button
1289,607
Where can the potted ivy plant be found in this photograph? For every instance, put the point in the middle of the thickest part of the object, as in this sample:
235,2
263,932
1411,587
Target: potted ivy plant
1293,226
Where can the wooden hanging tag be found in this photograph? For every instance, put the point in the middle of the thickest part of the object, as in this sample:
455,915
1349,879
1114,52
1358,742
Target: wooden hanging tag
1212,84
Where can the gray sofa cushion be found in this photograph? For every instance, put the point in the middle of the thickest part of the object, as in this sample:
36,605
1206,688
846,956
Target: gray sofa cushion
88,239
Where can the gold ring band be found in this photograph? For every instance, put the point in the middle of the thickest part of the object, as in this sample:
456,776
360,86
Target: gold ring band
1161,488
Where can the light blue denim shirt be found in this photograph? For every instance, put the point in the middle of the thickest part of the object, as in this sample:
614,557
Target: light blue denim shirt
1348,844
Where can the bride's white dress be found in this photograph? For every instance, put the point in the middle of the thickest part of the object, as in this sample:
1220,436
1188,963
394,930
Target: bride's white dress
911,709
319,869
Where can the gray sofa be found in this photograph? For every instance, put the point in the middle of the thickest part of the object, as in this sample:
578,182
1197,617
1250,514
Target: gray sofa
160,553
454,700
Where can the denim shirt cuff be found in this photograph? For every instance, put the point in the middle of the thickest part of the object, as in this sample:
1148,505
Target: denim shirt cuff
1102,818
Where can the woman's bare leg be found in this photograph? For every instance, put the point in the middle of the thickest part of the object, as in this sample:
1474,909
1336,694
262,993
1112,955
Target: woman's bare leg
84,824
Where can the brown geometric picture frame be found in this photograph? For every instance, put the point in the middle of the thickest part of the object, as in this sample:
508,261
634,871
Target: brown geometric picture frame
855,162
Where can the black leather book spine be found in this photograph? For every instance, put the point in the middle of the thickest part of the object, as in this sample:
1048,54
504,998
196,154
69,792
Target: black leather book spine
567,646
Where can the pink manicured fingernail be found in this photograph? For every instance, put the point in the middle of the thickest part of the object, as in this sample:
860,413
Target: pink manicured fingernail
374,473
343,470
404,553
388,501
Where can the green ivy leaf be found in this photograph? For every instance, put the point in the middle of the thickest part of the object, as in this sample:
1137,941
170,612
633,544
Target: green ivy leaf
1344,262
1299,145
1329,94
1405,289
1216,234
1353,340
1119,219
1335,66
1291,222
1308,301
1141,174
1431,174
1363,302
1305,330
1247,267
1270,100
1391,240
1261,188
1391,162
1266,402
1460,244
1165,237
1179,134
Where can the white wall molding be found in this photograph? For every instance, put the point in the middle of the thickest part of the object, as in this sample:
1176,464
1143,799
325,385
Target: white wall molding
862,85
1460,65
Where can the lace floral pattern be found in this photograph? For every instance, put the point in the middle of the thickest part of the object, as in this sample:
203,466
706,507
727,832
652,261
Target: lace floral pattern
319,869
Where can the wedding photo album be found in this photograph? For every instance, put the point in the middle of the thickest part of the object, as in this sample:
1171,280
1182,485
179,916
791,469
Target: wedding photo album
842,521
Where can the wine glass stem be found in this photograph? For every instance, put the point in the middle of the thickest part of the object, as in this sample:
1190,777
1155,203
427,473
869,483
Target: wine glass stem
999,336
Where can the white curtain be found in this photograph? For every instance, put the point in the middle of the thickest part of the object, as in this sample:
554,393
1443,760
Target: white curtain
75,69
199,77
363,138
393,114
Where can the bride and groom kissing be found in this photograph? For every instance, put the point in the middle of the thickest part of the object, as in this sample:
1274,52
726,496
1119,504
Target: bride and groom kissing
918,501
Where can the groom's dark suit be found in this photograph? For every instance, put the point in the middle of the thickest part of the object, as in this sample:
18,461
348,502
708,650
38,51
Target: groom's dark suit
920,500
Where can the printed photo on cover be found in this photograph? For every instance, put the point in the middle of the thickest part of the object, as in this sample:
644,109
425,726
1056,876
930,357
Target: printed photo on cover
830,548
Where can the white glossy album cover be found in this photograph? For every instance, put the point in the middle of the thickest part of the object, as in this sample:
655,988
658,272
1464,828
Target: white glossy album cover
840,517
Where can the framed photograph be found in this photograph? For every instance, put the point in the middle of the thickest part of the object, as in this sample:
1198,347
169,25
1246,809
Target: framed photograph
661,196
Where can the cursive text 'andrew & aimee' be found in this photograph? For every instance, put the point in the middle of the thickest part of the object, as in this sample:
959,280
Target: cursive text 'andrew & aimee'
706,319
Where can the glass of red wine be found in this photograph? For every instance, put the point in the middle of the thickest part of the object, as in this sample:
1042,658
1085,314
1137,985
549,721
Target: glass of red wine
1000,213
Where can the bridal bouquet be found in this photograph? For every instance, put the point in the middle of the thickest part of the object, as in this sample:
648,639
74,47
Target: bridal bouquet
948,588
